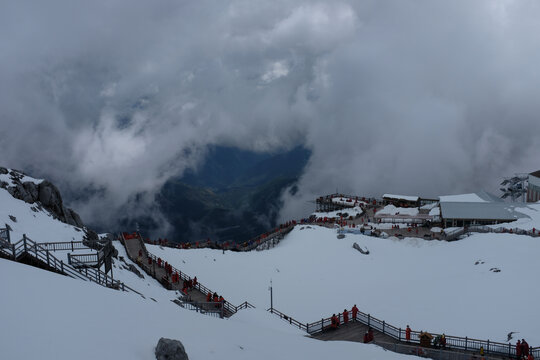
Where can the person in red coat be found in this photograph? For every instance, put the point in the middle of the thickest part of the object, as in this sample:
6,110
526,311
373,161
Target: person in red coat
195,281
525,347
370,334
208,297
333,320
366,338
354,312
345,316
408,333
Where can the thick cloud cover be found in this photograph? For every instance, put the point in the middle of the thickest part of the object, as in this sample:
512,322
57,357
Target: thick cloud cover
391,96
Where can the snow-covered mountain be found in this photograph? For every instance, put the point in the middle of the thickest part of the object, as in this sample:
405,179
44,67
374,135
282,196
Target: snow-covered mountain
50,316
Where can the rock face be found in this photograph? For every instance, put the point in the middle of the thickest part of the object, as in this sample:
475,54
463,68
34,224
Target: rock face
168,349
44,193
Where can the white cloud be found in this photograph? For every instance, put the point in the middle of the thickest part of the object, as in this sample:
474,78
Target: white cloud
390,96
277,70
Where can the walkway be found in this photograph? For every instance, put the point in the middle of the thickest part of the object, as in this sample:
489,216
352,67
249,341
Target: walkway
393,338
134,245
354,331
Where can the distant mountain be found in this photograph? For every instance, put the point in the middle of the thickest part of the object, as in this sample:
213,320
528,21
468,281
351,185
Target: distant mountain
232,197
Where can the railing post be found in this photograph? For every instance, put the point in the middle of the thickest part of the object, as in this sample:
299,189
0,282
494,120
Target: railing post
7,232
399,336
322,324
48,262
307,328
509,350
466,343
24,242
383,325
62,265
72,245
13,250
487,347
69,258
368,320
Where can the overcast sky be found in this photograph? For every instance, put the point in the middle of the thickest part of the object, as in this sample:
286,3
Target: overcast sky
429,97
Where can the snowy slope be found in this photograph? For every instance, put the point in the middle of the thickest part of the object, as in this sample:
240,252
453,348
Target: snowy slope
56,317
429,285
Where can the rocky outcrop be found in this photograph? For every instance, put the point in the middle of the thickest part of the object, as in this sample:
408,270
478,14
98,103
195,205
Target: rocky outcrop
42,192
168,349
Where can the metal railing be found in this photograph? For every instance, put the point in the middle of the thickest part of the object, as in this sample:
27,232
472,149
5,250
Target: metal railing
151,271
249,245
86,260
289,319
206,308
64,246
244,305
452,342
103,255
77,270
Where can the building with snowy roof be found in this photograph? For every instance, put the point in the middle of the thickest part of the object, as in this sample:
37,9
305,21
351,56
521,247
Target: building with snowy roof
467,213
533,190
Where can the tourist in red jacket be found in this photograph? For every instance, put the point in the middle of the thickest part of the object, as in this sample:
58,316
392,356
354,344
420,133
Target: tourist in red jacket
334,321
354,312
408,333
345,316
519,349
525,347
366,338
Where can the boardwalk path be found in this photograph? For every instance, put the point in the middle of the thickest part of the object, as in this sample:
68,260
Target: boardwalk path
354,331
135,246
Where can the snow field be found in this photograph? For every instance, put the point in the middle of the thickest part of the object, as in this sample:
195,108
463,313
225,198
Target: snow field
48,316
429,285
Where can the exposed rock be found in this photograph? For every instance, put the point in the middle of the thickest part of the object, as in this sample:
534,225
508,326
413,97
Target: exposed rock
43,194
90,235
32,191
363,251
168,349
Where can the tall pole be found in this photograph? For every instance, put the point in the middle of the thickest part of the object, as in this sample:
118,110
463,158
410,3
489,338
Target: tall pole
271,296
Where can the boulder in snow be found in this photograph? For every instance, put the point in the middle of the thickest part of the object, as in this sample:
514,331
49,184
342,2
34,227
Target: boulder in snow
169,349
